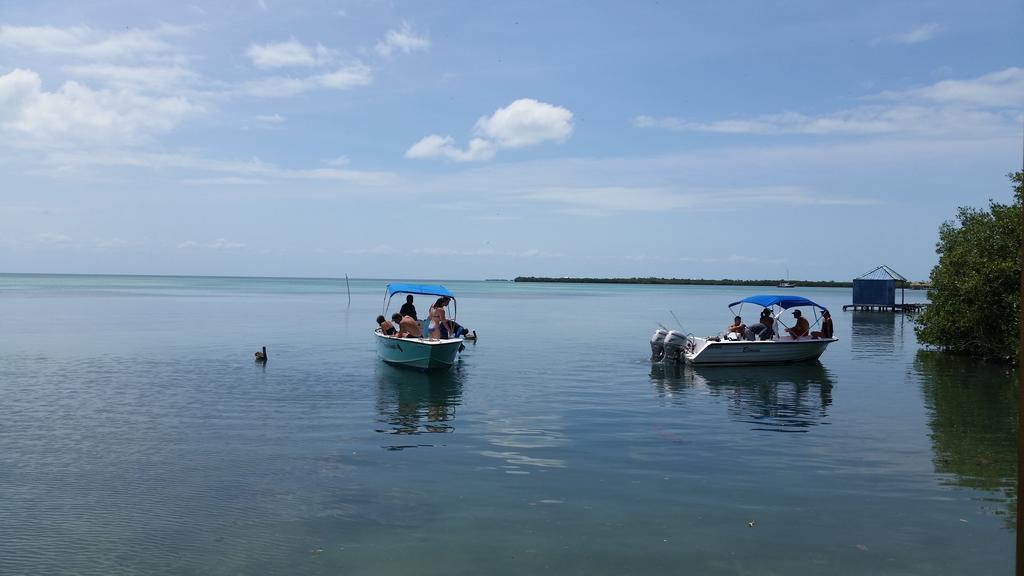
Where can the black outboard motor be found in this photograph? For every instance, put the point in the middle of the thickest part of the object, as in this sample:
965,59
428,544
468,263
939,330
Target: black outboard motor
658,345
675,342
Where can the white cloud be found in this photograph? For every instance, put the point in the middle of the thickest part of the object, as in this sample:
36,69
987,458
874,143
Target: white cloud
338,161
402,40
388,250
52,239
79,113
988,104
114,243
345,78
607,200
281,55
273,119
435,146
525,122
916,35
286,86
277,87
87,43
163,78
218,244
252,171
1001,89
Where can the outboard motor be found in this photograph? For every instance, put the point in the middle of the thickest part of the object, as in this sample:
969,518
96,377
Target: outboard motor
675,342
658,345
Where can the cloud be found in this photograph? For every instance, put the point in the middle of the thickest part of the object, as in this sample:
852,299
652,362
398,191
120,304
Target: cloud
1001,89
605,200
87,43
286,86
402,40
388,250
241,172
338,161
525,122
988,104
79,113
218,244
916,35
52,239
289,54
273,119
142,78
435,146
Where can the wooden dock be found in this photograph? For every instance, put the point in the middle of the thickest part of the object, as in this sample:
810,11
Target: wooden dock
905,307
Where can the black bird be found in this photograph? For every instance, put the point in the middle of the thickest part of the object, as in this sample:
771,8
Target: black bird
261,356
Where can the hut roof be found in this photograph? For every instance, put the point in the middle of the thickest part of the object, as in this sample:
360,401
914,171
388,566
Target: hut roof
882,272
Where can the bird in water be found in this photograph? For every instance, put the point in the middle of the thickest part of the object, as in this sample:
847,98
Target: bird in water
261,355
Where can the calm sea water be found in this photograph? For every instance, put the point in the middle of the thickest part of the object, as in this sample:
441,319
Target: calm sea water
137,436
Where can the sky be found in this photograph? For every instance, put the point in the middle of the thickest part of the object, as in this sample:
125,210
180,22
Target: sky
477,140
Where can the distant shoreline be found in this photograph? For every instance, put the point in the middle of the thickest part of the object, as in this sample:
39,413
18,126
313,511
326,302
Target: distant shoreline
704,282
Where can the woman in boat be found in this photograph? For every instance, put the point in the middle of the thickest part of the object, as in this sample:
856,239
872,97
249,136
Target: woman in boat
763,330
826,326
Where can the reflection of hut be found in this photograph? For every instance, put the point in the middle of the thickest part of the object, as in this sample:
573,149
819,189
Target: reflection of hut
876,290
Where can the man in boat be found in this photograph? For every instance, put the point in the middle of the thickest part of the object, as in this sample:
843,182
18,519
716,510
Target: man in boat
408,309
826,326
408,327
386,327
802,326
738,328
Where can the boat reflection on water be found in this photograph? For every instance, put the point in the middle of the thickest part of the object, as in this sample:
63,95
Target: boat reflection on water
972,414
412,403
789,398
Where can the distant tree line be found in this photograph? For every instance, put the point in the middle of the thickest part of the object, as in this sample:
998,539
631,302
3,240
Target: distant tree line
975,293
686,281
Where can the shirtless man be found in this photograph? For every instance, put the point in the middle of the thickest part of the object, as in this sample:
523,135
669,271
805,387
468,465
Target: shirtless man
386,327
802,326
408,327
738,327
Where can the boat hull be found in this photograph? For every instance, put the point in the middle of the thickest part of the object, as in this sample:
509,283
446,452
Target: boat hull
418,353
743,352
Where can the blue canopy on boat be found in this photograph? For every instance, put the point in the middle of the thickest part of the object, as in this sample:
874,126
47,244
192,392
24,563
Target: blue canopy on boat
769,300
430,289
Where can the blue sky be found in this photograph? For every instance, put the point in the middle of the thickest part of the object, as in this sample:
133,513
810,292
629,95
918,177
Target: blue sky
484,140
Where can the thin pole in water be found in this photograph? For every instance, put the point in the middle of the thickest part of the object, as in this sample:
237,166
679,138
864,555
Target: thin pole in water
349,289
1020,410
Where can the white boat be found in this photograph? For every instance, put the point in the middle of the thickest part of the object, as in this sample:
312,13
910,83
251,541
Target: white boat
724,350
419,353
785,283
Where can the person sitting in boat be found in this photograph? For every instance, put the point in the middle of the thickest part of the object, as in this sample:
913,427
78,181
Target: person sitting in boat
385,326
408,327
408,309
826,326
763,330
801,328
439,327
738,328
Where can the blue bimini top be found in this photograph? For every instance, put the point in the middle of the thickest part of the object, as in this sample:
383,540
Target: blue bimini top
785,302
428,289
